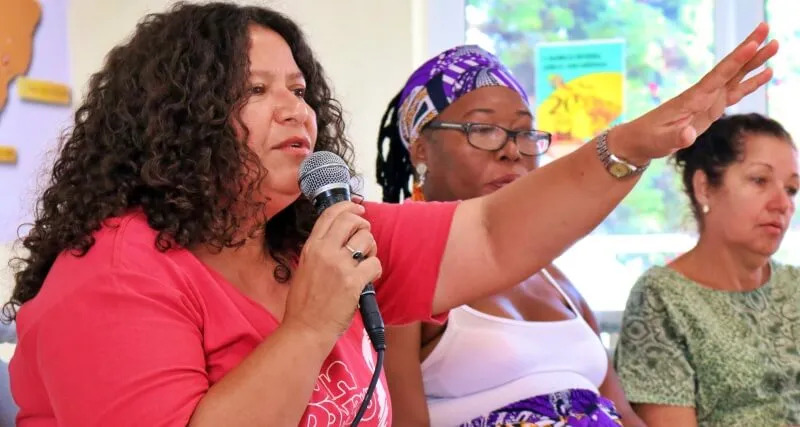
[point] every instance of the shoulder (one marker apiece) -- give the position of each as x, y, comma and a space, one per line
380, 213
106, 295
660, 280
559, 276
394, 223
119, 242
566, 285
658, 276
124, 260
784, 282
129, 244
785, 272
655, 290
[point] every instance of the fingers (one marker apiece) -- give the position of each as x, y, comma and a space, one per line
749, 86
368, 271
728, 68
758, 35
735, 62
362, 241
329, 216
343, 227
686, 136
762, 56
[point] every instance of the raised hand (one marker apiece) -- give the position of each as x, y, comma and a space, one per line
676, 123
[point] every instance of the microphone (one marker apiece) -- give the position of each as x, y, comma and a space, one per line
325, 180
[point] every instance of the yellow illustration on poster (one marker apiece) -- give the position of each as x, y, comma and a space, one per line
579, 90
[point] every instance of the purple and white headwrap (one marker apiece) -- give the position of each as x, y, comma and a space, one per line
445, 78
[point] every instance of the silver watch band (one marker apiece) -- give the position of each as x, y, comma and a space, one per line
610, 161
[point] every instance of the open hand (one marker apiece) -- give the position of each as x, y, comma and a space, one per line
676, 123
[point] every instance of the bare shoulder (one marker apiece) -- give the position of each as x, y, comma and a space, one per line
566, 285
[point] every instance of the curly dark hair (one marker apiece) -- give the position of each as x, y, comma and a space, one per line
155, 132
720, 146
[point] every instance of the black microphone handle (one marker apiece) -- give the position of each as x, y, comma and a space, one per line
371, 316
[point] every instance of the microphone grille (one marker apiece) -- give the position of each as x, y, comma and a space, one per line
320, 169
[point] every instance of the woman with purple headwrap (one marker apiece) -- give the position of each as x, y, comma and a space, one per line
463, 128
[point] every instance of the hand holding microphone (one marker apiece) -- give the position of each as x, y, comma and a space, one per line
325, 180
338, 264
329, 281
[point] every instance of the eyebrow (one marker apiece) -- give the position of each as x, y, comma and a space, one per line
297, 75
761, 164
769, 166
491, 111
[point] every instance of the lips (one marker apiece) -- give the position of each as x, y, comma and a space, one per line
295, 145
504, 180
775, 226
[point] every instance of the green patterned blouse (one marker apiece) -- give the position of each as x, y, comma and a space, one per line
733, 356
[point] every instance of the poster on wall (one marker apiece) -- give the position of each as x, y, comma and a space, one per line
34, 101
579, 90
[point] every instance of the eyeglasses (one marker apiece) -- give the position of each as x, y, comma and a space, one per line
493, 138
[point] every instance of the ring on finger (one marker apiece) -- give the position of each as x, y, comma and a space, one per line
357, 254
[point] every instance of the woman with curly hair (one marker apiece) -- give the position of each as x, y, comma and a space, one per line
176, 277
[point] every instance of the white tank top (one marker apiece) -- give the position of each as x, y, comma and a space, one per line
485, 362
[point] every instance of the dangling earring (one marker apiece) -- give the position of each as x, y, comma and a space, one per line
705, 209
422, 173
416, 190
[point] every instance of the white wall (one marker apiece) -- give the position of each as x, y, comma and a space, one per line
368, 49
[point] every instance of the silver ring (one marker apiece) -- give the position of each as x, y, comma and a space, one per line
357, 255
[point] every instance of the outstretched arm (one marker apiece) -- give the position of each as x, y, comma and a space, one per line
498, 240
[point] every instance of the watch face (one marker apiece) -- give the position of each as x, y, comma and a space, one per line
619, 170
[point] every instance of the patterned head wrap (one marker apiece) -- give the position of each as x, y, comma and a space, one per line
445, 78
432, 88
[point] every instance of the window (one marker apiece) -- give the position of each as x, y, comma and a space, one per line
668, 46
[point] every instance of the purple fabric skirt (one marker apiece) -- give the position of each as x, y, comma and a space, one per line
564, 408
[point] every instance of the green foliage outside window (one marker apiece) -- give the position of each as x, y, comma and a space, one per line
669, 45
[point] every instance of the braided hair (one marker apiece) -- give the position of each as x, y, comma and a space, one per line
394, 169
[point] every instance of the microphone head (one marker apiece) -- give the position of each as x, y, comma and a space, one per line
322, 170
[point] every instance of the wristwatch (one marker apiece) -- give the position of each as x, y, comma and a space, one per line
618, 167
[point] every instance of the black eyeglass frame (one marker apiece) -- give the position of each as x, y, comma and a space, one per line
466, 129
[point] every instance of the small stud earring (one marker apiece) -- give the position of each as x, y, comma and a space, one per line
705, 209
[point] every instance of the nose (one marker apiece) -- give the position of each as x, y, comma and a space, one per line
781, 201
290, 109
509, 151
